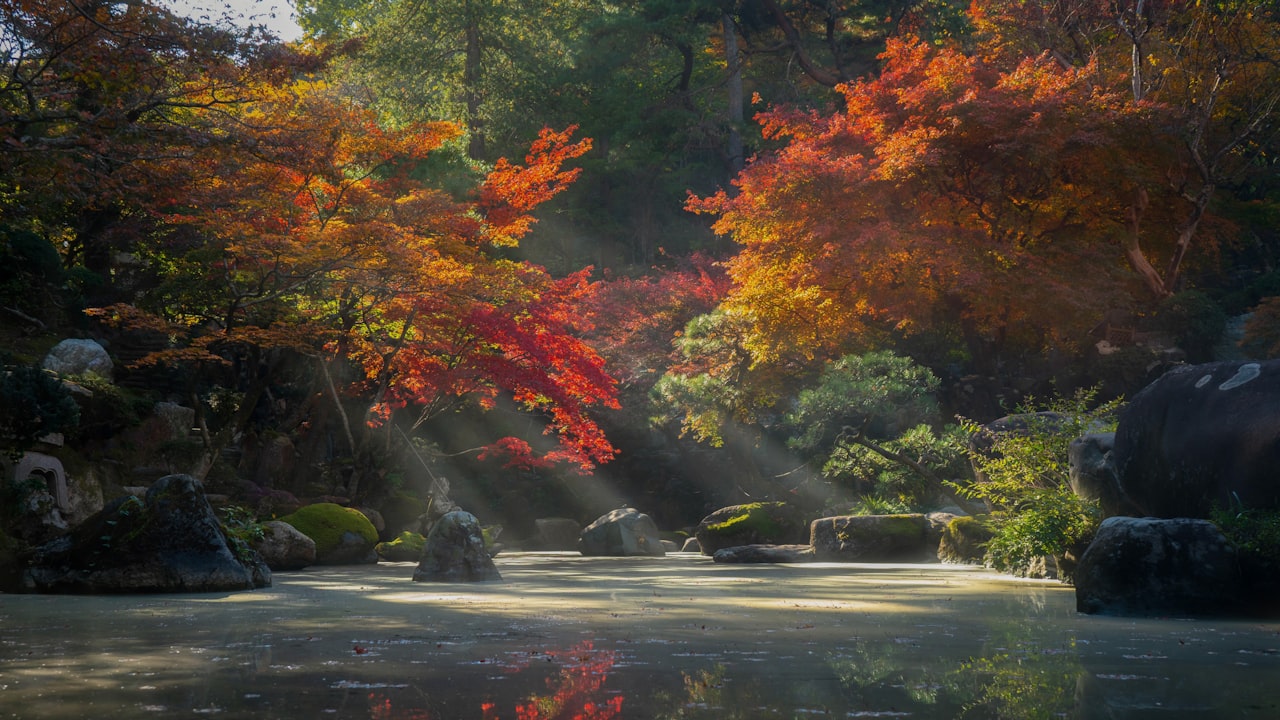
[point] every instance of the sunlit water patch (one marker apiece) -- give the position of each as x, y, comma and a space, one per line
676, 637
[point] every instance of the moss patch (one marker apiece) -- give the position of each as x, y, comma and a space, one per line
406, 547
757, 517
326, 522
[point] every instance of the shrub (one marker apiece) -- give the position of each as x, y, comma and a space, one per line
33, 404
1034, 511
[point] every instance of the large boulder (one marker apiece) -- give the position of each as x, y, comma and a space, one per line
872, 538
964, 541
1159, 567
1092, 473
455, 552
170, 541
622, 532
343, 535
284, 547
1200, 436
762, 523
76, 357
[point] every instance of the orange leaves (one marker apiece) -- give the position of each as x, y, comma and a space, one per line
511, 191
947, 195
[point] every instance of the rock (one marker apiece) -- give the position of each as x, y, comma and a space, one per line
1200, 436
964, 541
1092, 473
284, 547
871, 538
343, 536
177, 420
1158, 567
763, 523
406, 547
455, 552
375, 519
691, 545
622, 532
765, 554
557, 534
171, 541
936, 526
76, 357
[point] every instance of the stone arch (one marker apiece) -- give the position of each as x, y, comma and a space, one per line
49, 469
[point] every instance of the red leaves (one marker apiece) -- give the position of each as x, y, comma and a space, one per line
511, 191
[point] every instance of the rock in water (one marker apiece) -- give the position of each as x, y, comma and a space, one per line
762, 523
765, 554
343, 535
1152, 567
872, 538
455, 552
284, 547
171, 541
624, 532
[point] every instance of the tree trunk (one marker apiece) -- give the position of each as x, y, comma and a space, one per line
472, 74
735, 111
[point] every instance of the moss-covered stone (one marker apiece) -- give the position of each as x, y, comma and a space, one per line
342, 535
871, 538
406, 547
964, 541
761, 523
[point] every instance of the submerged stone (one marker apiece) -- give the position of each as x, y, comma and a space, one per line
455, 552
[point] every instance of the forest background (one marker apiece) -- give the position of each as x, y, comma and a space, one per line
575, 254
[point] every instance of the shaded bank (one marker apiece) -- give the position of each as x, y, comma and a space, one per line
675, 637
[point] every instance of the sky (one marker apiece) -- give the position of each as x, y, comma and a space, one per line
277, 15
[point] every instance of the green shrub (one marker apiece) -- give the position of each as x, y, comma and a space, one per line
110, 410
1034, 511
1254, 532
34, 403
1195, 321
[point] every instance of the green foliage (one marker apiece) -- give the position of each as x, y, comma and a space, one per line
1254, 532
110, 410
27, 262
885, 480
243, 530
877, 504
879, 394
34, 403
1024, 478
868, 419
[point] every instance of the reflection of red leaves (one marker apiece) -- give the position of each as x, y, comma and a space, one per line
581, 679
360, 649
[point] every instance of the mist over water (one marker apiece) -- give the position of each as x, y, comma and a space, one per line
566, 636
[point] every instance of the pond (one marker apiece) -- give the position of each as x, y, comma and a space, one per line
566, 636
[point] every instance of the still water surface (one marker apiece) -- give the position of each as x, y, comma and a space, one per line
595, 638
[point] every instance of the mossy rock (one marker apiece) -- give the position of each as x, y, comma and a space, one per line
964, 541
406, 547
343, 535
761, 523
872, 538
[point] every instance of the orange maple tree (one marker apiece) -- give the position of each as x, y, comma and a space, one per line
314, 235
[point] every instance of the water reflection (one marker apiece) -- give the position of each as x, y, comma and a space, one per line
599, 639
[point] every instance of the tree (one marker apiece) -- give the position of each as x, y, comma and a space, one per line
947, 194
313, 237
92, 92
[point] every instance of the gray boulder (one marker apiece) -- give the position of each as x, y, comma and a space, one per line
455, 552
170, 541
1200, 436
1092, 473
765, 554
872, 538
1159, 567
284, 547
76, 357
763, 523
623, 532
